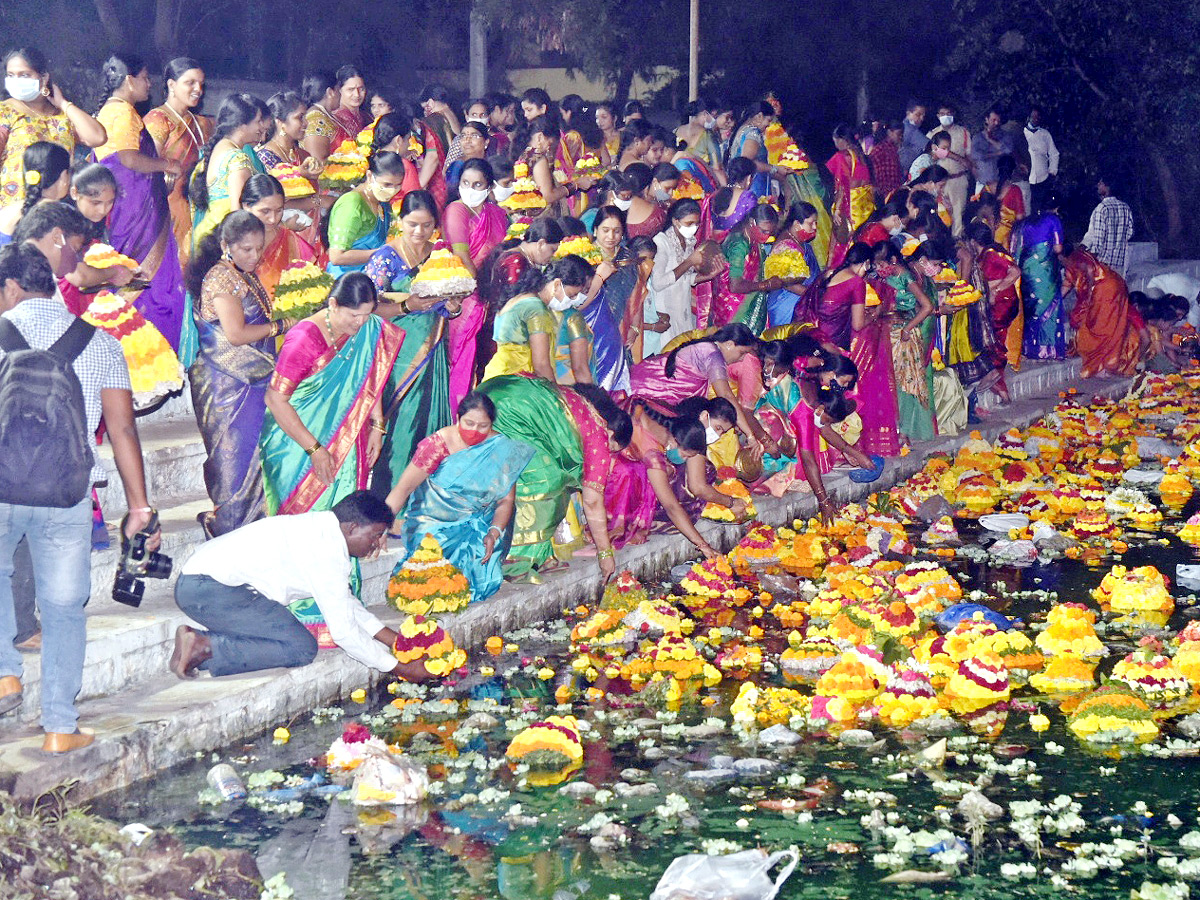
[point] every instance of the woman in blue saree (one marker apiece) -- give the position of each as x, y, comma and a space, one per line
1041, 242
140, 224
232, 369
461, 488
360, 219
416, 402
324, 424
748, 142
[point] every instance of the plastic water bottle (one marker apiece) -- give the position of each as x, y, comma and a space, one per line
226, 782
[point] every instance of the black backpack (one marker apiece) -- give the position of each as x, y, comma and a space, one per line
43, 421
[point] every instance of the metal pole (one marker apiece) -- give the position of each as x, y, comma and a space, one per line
478, 64
694, 52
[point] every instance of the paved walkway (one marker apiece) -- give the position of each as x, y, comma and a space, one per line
146, 720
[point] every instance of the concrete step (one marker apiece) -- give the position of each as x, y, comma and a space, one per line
128, 645
173, 455
1035, 379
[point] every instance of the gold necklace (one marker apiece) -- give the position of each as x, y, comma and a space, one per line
197, 136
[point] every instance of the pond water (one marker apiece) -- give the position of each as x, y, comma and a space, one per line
1106, 823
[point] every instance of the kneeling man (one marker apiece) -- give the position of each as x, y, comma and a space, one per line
238, 587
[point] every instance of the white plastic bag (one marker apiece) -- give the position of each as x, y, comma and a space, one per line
383, 779
734, 876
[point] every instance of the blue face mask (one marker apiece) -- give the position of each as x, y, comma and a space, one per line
675, 456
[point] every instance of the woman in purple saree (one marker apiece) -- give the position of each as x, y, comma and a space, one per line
140, 224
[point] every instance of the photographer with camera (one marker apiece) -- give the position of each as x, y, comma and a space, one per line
239, 585
58, 377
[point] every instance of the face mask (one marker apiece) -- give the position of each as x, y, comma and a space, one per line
710, 124
471, 437
674, 456
22, 87
381, 193
622, 205
758, 235
472, 196
1031, 126
560, 302
804, 235
661, 196
481, 121
941, 152
687, 232
899, 229
946, 121
68, 259
502, 193
711, 435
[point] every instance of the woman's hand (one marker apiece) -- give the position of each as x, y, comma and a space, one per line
311, 166
827, 511
323, 465
605, 270
608, 567
489, 545
585, 182
171, 168
663, 323
737, 506
906, 333
771, 446
697, 259
119, 276
374, 444
708, 551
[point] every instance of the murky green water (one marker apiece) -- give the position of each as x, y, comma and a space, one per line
546, 849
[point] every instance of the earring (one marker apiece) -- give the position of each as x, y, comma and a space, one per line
227, 254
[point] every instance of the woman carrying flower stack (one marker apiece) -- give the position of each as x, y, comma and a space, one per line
233, 368
179, 134
360, 218
575, 432
853, 194
263, 196
793, 260
624, 282
323, 132
461, 487
740, 289
324, 427
140, 222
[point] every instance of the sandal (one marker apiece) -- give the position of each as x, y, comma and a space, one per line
206, 520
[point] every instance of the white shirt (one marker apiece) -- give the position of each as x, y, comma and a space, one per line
1043, 155
1181, 285
670, 294
289, 558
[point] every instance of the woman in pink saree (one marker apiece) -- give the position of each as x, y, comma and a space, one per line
475, 226
853, 194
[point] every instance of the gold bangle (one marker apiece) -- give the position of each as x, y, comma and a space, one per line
314, 448
379, 425
604, 554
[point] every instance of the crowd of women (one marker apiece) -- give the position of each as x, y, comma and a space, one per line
737, 312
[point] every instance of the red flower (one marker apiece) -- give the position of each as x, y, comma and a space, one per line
356, 734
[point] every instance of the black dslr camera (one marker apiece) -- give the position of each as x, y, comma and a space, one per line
137, 563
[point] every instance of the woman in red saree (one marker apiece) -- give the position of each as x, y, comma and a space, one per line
474, 227
352, 91
871, 352
263, 196
1003, 276
853, 193
1109, 333
324, 424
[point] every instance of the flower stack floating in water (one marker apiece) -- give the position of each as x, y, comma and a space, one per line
552, 749
580, 245
442, 275
1140, 595
295, 183
1070, 631
427, 583
345, 167
525, 198
908, 696
419, 638
1153, 676
154, 369
1113, 715
757, 549
349, 751
302, 290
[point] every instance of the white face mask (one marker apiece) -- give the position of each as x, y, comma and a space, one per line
560, 302
500, 192
22, 87
622, 205
946, 121
687, 232
481, 121
711, 435
661, 196
895, 231
472, 196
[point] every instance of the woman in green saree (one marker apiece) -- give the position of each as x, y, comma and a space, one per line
324, 424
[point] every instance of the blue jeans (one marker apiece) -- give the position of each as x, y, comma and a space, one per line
247, 630
60, 544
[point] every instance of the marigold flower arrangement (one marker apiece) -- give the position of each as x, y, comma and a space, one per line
550, 745
1175, 489
102, 256
427, 583
688, 188
354, 745
807, 658
1153, 676
589, 165
1070, 631
419, 638
1113, 715
761, 707
154, 369
758, 548
908, 696
786, 263
442, 275
302, 290
1143, 589
979, 682
580, 245
1065, 675
851, 679
344, 168
730, 487
526, 198
1016, 651
293, 180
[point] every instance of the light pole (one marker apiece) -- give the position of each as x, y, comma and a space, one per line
694, 52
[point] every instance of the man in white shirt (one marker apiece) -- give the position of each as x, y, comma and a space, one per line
957, 163
1043, 155
240, 584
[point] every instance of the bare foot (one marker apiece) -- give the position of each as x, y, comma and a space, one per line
191, 649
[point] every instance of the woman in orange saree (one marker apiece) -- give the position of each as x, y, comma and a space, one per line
264, 197
1109, 333
179, 134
